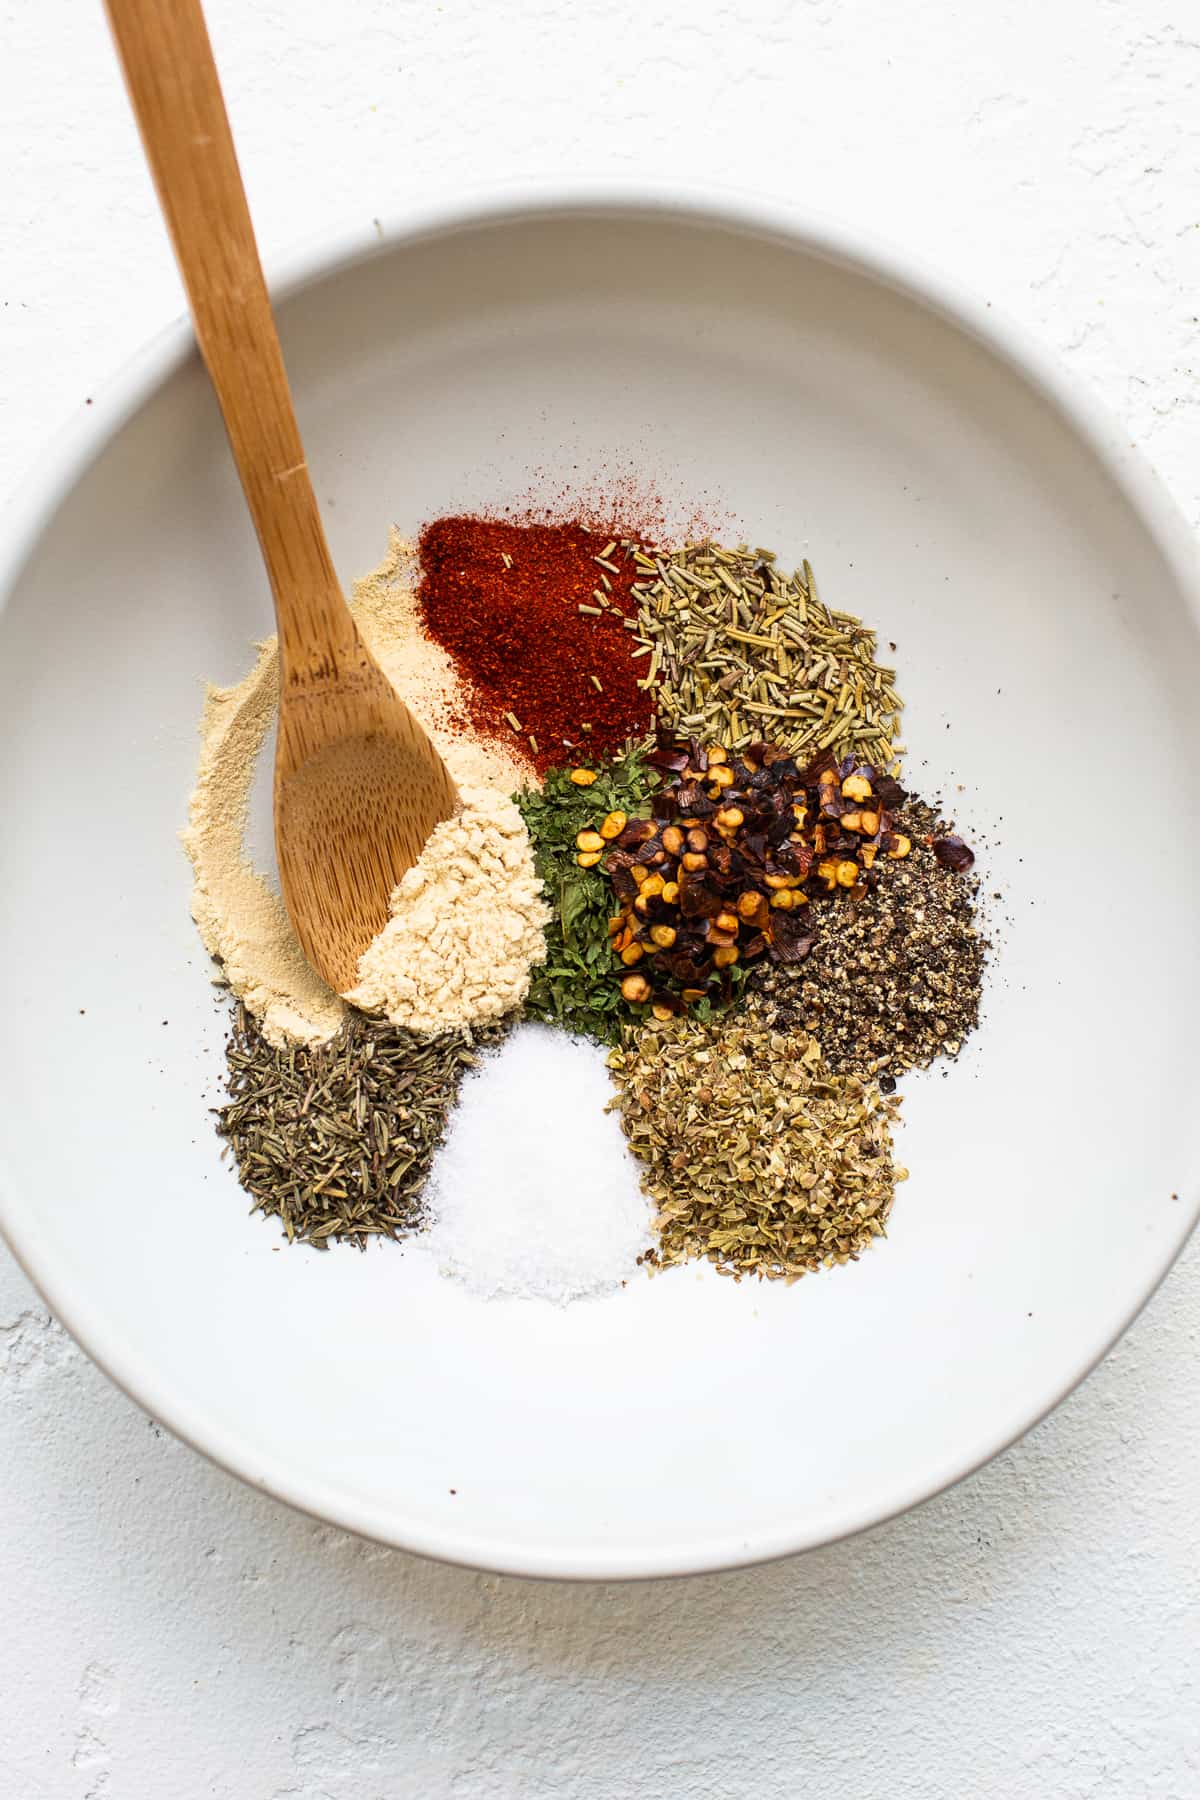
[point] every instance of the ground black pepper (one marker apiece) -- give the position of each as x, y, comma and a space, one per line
896, 981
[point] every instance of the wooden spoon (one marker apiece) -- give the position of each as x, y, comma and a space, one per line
358, 785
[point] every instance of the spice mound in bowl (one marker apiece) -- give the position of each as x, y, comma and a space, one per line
534, 617
747, 940
726, 869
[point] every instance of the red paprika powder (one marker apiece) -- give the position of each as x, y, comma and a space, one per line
505, 601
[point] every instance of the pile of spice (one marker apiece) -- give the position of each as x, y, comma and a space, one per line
740, 650
725, 870
684, 846
575, 985
896, 980
336, 1142
466, 925
757, 1157
538, 620
235, 902
534, 1201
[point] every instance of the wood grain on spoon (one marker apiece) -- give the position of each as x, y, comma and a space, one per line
358, 785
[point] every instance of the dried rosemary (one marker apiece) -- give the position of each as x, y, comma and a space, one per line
336, 1141
740, 650
756, 1156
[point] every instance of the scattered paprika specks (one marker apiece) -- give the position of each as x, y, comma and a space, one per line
505, 601
621, 503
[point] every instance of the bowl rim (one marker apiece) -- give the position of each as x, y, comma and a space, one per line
30, 511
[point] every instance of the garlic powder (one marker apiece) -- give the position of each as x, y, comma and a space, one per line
237, 907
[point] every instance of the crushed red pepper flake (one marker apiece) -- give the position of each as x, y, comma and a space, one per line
726, 869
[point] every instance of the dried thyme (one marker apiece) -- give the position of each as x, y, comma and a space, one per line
897, 981
740, 650
756, 1156
336, 1141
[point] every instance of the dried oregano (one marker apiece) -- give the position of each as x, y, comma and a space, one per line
756, 1156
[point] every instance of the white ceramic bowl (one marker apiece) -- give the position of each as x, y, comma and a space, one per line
823, 397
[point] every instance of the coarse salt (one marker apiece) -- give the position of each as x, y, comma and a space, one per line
534, 1194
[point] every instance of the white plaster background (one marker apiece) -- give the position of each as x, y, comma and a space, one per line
164, 1633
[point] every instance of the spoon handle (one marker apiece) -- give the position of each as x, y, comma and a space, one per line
172, 80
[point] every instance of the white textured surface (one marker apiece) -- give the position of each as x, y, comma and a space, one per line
165, 1632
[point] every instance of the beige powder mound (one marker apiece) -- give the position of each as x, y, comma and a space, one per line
467, 923
241, 919
239, 914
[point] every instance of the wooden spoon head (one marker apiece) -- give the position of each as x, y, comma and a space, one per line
358, 789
